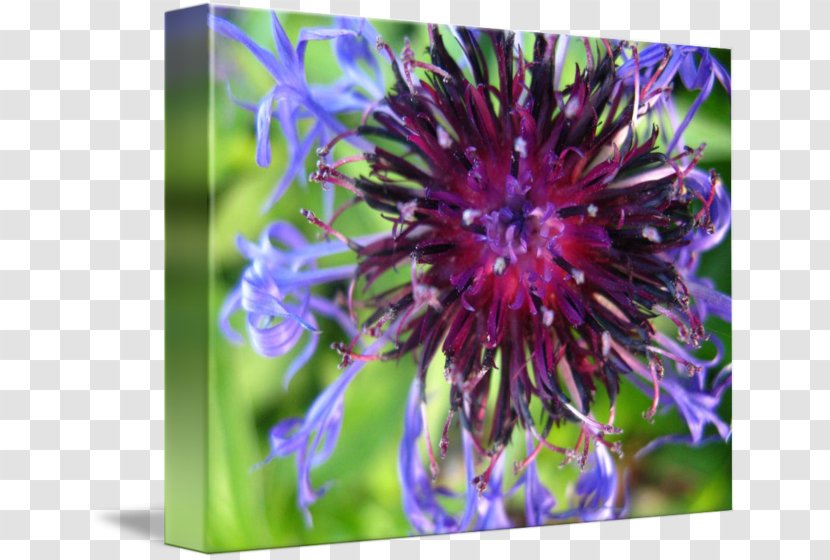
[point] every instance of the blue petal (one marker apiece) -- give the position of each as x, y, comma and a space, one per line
273, 340
697, 404
275, 292
722, 75
317, 34
296, 166
230, 306
263, 129
712, 300
282, 42
539, 501
492, 513
420, 498
328, 309
672, 439
470, 491
701, 97
720, 212
265, 57
297, 100
314, 437
352, 50
597, 488
302, 359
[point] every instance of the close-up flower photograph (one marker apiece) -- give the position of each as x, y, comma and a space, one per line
464, 279
437, 279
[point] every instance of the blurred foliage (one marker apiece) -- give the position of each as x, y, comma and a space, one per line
252, 509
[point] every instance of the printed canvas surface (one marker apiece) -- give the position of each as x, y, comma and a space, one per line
429, 279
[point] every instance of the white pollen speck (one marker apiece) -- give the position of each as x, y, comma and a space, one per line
547, 316
606, 343
499, 266
469, 216
520, 145
578, 276
651, 233
592, 210
407, 209
444, 139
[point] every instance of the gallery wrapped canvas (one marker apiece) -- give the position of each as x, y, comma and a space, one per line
426, 279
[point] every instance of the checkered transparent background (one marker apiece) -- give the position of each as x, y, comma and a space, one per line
81, 279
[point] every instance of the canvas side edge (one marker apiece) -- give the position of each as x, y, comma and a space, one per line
187, 215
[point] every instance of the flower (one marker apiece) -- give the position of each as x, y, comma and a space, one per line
596, 489
312, 439
533, 233
657, 66
544, 233
299, 101
275, 293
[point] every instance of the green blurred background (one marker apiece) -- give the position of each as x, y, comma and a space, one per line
246, 395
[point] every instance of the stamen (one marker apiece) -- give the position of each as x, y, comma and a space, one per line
519, 466
346, 160
592, 422
445, 438
327, 174
444, 139
370, 109
520, 146
691, 368
698, 154
583, 441
651, 233
326, 149
407, 209
499, 266
586, 448
433, 464
568, 453
714, 179
342, 208
383, 46
657, 72
648, 415
483, 479
469, 216
348, 355
606, 343
432, 68
313, 219
547, 316
614, 447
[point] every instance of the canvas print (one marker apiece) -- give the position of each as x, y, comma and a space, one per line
428, 279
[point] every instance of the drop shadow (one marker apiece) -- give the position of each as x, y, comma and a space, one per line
137, 524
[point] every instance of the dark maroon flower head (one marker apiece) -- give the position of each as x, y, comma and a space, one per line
537, 223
